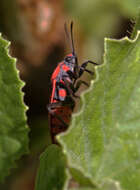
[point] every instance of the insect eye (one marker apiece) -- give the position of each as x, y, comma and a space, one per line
68, 59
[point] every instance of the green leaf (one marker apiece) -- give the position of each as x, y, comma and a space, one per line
103, 141
52, 171
108, 185
83, 188
13, 128
136, 27
81, 179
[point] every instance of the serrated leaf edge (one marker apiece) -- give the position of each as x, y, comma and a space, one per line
74, 115
25, 107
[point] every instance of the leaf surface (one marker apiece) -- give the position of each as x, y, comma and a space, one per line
52, 171
13, 127
104, 138
108, 185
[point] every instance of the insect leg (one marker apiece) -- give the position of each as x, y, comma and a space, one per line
83, 67
73, 89
72, 75
70, 88
78, 84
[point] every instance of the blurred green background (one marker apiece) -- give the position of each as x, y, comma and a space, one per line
36, 31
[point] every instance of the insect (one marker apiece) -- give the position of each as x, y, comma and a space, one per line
65, 84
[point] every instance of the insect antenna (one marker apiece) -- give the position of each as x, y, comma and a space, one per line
70, 38
72, 42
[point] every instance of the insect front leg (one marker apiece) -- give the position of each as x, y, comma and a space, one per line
83, 67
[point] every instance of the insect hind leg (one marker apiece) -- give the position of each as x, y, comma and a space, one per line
79, 83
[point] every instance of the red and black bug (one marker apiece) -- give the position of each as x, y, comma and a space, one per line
65, 84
